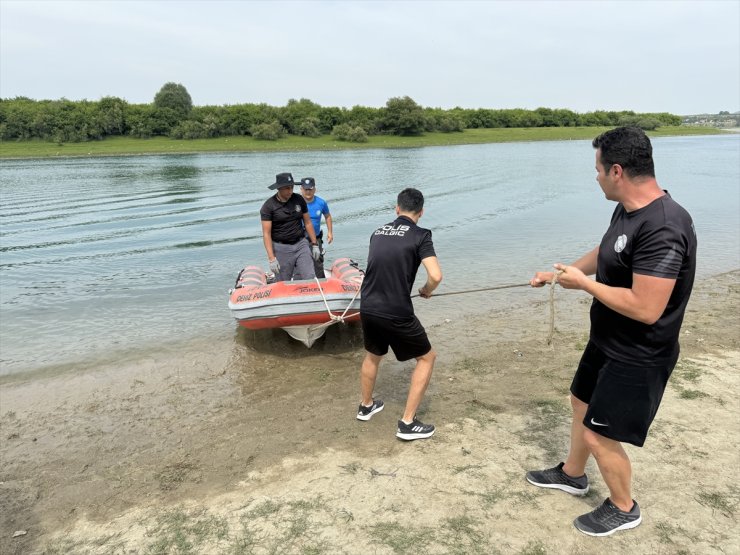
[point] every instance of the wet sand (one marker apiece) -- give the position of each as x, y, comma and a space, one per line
250, 445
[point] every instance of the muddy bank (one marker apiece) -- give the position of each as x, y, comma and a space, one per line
251, 445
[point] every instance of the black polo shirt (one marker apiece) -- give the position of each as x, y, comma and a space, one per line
396, 250
286, 218
657, 240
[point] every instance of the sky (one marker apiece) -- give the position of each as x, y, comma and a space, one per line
681, 57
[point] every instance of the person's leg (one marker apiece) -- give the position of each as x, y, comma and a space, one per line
304, 268
419, 382
615, 467
575, 464
318, 265
368, 374
285, 258
570, 476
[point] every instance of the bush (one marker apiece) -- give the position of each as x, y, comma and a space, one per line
345, 132
402, 116
189, 130
648, 124
268, 131
341, 131
175, 97
357, 135
308, 127
450, 124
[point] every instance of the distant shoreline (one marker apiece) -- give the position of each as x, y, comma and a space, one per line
129, 146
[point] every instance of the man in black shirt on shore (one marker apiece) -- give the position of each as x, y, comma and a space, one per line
644, 268
284, 216
396, 251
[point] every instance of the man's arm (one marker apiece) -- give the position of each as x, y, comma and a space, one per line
586, 264
644, 302
329, 228
434, 276
267, 239
308, 224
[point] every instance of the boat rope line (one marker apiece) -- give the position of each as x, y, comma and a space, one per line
552, 282
333, 318
510, 286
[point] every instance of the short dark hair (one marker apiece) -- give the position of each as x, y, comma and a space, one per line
410, 200
629, 147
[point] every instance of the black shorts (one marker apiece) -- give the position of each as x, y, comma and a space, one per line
622, 398
406, 336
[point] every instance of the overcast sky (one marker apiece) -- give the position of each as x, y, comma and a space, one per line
648, 56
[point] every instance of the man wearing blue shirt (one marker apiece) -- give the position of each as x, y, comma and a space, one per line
316, 207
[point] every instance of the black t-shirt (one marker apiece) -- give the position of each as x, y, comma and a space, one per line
657, 240
396, 250
286, 218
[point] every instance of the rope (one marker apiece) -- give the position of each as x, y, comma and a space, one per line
551, 331
477, 290
552, 282
333, 318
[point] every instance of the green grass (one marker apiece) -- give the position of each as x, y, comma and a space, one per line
687, 370
465, 468
171, 476
473, 366
692, 394
121, 146
547, 418
461, 535
351, 468
402, 539
724, 503
669, 534
178, 531
534, 548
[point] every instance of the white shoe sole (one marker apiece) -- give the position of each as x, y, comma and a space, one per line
561, 487
413, 436
366, 417
625, 526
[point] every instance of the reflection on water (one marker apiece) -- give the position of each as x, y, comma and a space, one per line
176, 173
101, 256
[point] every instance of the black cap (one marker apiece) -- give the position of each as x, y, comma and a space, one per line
282, 180
308, 183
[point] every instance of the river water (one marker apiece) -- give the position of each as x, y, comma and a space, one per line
108, 257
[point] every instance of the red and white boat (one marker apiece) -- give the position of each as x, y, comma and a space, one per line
303, 308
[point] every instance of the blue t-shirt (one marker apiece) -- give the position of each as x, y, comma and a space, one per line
316, 208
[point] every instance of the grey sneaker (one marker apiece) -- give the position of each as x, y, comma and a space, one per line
415, 430
607, 519
557, 479
366, 413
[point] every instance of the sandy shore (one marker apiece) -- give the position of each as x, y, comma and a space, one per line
245, 448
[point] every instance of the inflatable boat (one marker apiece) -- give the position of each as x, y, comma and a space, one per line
303, 308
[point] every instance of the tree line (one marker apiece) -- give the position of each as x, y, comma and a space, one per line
172, 114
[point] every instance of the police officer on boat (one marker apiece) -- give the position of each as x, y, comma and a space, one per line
284, 217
